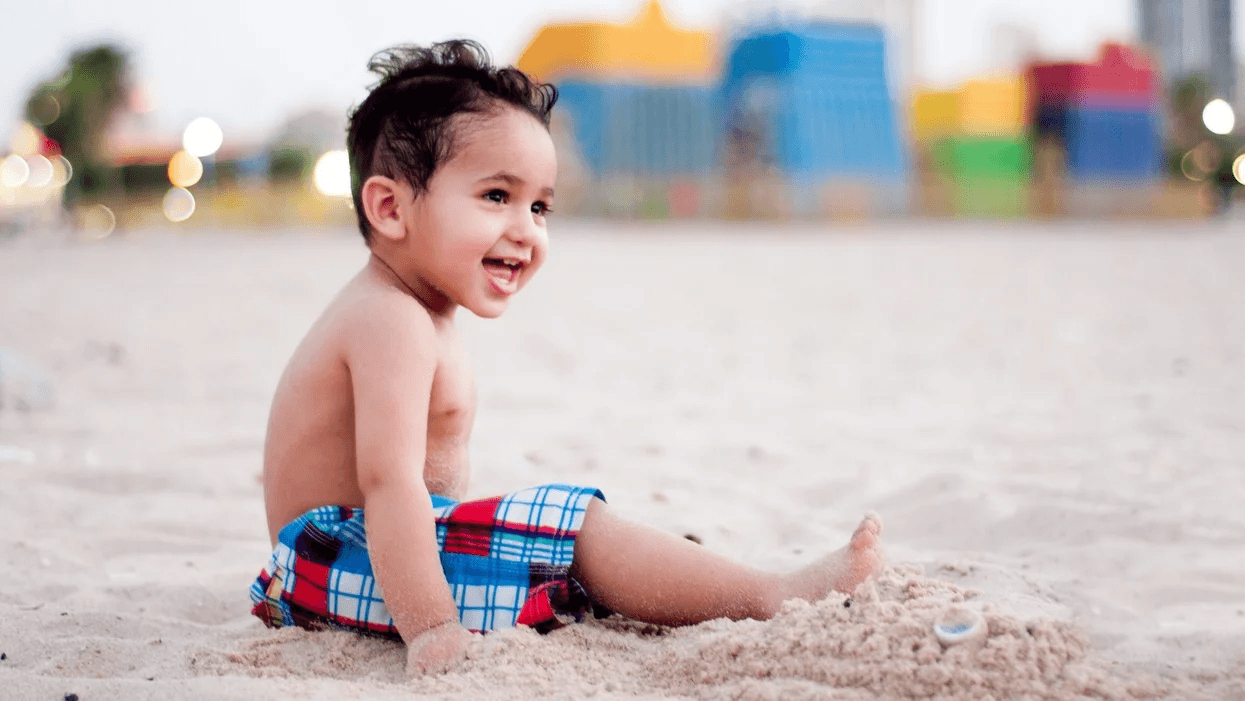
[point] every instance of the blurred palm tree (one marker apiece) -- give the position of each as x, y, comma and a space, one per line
1190, 136
75, 109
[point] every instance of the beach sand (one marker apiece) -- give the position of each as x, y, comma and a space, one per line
1049, 418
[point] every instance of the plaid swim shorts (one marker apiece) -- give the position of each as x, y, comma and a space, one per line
506, 559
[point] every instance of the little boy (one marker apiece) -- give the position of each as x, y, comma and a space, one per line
452, 171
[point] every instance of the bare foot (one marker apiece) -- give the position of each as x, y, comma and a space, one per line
844, 569
861, 558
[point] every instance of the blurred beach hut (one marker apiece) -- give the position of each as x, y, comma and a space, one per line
808, 110
636, 109
1101, 123
1104, 114
974, 148
649, 49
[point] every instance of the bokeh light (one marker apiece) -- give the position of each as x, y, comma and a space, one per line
202, 137
45, 109
178, 204
62, 171
332, 174
1190, 167
1200, 161
185, 169
1219, 117
1206, 155
41, 171
26, 139
14, 171
96, 222
1238, 169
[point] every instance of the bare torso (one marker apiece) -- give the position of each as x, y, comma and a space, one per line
309, 453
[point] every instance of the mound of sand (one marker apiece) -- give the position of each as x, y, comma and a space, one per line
879, 644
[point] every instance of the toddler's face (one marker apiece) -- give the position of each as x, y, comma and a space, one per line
478, 232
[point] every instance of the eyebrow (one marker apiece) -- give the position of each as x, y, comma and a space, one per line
515, 181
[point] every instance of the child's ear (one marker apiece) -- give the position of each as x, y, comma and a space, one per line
382, 200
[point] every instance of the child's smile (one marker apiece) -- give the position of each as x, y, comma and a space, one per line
504, 274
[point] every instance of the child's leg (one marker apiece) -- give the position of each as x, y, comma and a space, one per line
657, 577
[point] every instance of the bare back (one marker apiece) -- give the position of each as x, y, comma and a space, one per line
309, 452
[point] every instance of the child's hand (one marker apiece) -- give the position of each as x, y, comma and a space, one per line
438, 649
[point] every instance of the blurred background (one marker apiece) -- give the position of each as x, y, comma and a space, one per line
131, 114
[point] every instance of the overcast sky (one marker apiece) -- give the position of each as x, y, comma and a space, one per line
250, 63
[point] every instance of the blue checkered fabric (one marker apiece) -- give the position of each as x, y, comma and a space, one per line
495, 554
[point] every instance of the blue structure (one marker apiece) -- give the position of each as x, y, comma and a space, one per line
660, 132
1104, 143
813, 102
809, 103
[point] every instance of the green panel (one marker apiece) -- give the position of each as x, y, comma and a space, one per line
979, 155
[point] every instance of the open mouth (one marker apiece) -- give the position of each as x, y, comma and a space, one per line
504, 273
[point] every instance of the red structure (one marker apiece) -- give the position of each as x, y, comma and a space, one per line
1122, 78
1104, 114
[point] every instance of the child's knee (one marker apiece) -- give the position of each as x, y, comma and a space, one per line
595, 513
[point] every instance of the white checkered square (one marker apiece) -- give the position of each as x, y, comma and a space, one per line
504, 618
474, 596
284, 557
508, 597
515, 510
472, 619
346, 594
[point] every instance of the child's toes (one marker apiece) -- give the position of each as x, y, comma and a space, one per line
868, 530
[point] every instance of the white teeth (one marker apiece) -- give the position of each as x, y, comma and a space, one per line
514, 264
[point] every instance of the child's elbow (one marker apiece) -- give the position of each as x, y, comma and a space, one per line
380, 482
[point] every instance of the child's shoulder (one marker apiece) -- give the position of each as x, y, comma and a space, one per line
367, 313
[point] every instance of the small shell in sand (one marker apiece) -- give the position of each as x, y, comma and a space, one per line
959, 625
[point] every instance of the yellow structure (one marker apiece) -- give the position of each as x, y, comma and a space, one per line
934, 114
994, 107
986, 107
647, 49
973, 148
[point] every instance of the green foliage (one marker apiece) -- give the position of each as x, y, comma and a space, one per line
1190, 95
288, 165
74, 110
143, 177
1188, 98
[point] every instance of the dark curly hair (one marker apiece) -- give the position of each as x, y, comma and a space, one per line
404, 129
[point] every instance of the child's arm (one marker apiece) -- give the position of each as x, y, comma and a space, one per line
391, 357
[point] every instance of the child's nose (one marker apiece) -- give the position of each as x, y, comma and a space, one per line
524, 230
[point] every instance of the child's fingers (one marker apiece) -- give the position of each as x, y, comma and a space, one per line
438, 650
